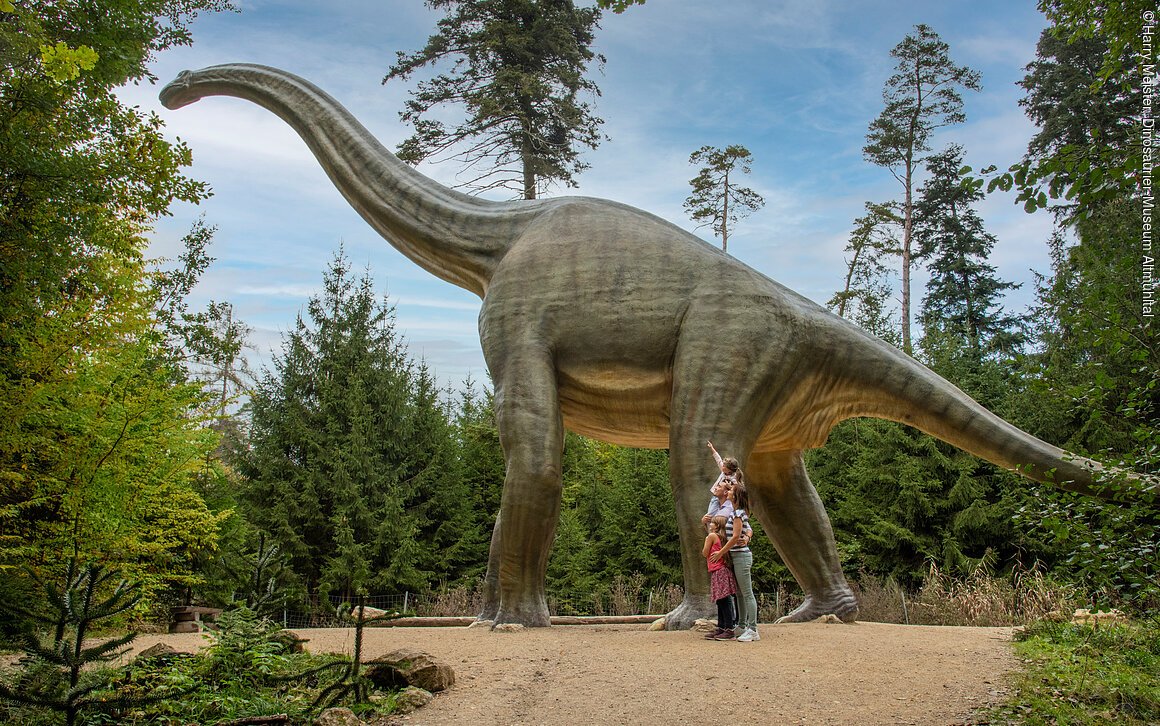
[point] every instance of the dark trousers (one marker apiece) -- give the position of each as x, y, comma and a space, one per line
726, 613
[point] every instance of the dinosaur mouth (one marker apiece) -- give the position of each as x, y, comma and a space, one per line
176, 92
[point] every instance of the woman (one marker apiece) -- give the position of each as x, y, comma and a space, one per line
737, 531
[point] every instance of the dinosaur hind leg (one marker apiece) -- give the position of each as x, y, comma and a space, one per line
791, 512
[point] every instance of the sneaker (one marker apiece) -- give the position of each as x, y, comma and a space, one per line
756, 635
713, 635
724, 635
747, 637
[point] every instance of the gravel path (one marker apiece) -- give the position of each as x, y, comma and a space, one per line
863, 674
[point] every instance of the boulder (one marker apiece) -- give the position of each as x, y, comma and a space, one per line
161, 651
407, 667
338, 717
411, 699
701, 625
1083, 616
368, 612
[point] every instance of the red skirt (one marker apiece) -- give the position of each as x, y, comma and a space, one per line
722, 583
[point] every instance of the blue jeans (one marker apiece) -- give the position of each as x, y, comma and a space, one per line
746, 602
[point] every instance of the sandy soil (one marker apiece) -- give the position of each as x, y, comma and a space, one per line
864, 674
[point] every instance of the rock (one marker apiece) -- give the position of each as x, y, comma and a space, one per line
1083, 616
161, 651
291, 641
658, 624
828, 618
407, 667
368, 612
338, 717
702, 625
411, 699
508, 628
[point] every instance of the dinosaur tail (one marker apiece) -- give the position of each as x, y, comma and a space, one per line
456, 237
901, 389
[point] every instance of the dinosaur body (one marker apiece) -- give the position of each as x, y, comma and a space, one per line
618, 325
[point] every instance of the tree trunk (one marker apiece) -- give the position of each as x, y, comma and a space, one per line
725, 216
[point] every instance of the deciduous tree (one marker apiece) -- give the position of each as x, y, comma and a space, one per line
100, 433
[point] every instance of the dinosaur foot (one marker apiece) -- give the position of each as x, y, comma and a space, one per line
843, 605
691, 609
528, 617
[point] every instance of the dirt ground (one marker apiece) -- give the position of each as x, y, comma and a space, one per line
864, 673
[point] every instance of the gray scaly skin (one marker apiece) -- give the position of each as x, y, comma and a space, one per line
623, 327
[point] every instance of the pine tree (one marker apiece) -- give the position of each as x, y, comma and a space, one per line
922, 96
519, 74
865, 295
717, 201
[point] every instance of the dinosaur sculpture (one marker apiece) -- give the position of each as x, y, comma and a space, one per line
623, 327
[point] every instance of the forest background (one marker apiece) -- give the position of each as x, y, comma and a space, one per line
132, 434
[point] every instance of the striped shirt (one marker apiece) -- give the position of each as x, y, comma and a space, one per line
745, 529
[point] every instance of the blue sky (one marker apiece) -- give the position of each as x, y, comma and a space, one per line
795, 81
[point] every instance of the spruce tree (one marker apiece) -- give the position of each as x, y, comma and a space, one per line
351, 460
962, 315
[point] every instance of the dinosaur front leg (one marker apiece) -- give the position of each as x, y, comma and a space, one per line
788, 507
691, 471
531, 432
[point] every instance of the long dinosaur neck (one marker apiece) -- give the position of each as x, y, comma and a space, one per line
453, 236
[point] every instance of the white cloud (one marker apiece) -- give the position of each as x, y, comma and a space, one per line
796, 81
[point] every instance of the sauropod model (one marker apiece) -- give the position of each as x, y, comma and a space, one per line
612, 322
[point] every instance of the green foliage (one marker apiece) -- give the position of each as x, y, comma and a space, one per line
962, 300
1077, 674
100, 434
899, 499
617, 523
352, 464
716, 201
518, 73
244, 647
1084, 90
618, 6
58, 672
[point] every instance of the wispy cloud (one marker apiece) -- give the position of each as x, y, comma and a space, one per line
796, 81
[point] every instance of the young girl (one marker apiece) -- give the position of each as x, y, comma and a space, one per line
722, 584
737, 532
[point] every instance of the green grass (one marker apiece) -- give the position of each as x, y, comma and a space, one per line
1076, 675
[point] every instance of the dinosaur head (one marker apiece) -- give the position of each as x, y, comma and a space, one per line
179, 92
